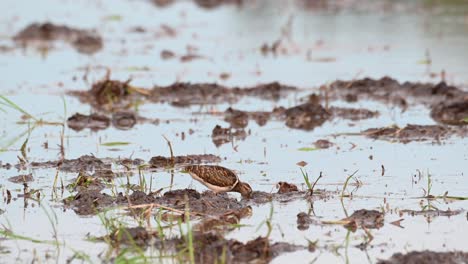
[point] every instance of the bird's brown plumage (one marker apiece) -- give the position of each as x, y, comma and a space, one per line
214, 175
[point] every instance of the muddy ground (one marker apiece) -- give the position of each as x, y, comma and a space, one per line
352, 136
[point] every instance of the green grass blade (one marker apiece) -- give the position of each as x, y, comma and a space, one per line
116, 143
11, 104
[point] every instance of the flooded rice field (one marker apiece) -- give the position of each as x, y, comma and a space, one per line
340, 130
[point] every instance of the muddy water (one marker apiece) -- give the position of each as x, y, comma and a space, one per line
319, 45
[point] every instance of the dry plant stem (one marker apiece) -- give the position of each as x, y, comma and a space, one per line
170, 149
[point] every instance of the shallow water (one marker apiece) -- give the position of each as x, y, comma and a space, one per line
387, 39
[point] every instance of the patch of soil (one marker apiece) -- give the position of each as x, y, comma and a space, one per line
284, 187
83, 41
94, 122
21, 178
391, 91
88, 202
454, 113
427, 257
412, 133
372, 219
185, 94
164, 162
220, 135
83, 163
352, 113
306, 116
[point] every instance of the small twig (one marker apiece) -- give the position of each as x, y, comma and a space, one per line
170, 148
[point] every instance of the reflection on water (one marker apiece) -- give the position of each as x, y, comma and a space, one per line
317, 42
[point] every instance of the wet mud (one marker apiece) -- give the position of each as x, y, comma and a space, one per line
416, 257
112, 94
84, 41
411, 132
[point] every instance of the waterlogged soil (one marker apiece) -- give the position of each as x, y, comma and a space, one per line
353, 154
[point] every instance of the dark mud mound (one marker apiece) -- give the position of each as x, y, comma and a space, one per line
82, 40
413, 133
83, 163
391, 91
165, 162
124, 120
455, 113
353, 114
306, 116
88, 202
427, 257
221, 136
186, 94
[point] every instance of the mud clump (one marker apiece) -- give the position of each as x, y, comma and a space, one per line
284, 187
390, 90
164, 162
83, 163
21, 178
427, 257
186, 94
451, 113
411, 133
363, 218
353, 114
87, 202
94, 122
306, 116
82, 40
220, 135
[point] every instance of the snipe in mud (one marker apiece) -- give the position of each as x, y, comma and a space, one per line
219, 179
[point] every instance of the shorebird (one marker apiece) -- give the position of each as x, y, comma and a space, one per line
218, 179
